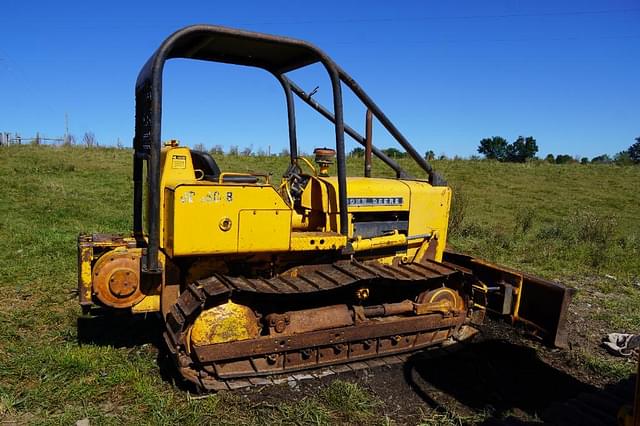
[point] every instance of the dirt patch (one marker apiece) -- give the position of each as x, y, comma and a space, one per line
503, 374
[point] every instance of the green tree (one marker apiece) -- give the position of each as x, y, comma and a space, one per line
601, 159
394, 153
429, 155
634, 151
494, 148
550, 158
564, 159
522, 149
357, 152
584, 160
623, 158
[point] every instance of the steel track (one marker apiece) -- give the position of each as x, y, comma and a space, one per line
245, 363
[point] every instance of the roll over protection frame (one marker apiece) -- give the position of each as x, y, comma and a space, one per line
277, 55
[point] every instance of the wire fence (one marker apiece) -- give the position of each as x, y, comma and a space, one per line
7, 138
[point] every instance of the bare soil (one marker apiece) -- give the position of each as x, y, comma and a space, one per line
502, 376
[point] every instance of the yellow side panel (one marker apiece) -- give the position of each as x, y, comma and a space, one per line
176, 167
204, 218
315, 196
166, 224
197, 224
430, 212
264, 230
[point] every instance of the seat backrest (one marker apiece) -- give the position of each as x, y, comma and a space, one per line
205, 162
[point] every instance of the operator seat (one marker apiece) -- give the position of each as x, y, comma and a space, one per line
205, 162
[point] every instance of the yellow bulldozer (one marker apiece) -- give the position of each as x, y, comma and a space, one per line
253, 277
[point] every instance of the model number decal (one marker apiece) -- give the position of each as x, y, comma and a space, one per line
374, 201
211, 197
187, 197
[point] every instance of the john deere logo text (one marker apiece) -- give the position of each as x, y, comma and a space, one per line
374, 201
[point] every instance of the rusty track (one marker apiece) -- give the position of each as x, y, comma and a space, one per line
317, 373
242, 363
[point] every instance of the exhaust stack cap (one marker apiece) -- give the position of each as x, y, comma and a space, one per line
324, 158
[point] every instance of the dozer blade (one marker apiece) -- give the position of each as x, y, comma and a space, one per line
539, 304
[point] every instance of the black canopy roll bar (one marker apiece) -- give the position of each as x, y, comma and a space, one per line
277, 55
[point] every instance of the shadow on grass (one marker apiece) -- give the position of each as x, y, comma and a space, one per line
120, 331
494, 377
169, 372
128, 331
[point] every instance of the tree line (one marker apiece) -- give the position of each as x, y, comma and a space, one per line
521, 150
525, 149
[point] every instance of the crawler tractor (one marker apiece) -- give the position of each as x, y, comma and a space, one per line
257, 278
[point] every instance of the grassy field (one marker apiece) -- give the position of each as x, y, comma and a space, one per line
574, 223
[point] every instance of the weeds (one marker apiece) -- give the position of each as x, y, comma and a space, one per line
592, 228
586, 235
8, 403
606, 367
349, 400
458, 209
524, 219
588, 227
307, 411
447, 418
582, 242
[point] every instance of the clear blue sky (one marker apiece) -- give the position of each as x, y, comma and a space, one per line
447, 73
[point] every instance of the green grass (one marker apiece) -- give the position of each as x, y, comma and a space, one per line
351, 401
435, 418
572, 222
604, 367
